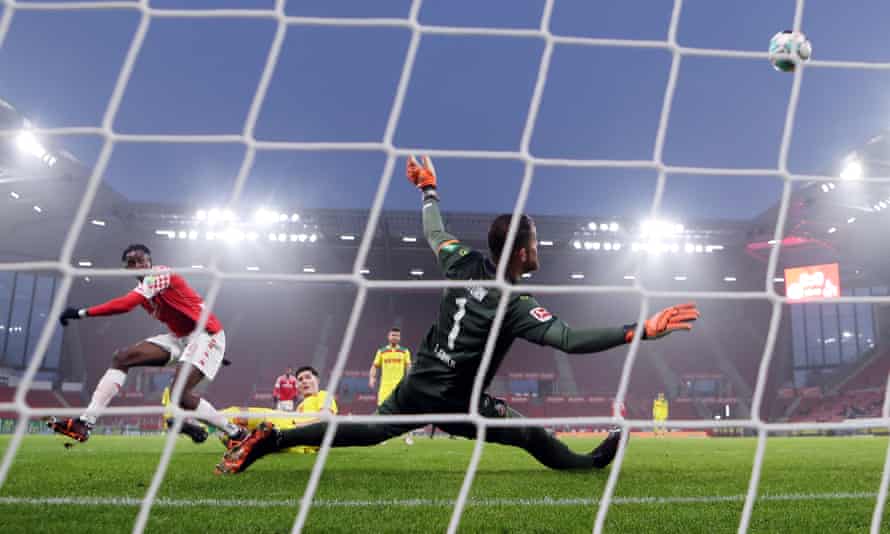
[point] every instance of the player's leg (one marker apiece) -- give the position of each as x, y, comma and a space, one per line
142, 354
266, 440
201, 360
190, 427
537, 441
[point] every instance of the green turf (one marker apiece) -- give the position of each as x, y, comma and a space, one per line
433, 471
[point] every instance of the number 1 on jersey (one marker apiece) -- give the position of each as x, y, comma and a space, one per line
458, 315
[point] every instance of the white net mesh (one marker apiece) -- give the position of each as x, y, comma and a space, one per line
147, 14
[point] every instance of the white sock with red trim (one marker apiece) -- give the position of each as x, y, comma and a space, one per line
108, 386
207, 413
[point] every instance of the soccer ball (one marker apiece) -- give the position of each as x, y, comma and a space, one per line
787, 45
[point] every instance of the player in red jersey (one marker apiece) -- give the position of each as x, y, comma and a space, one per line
285, 391
168, 298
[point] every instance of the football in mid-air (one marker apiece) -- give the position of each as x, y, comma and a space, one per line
787, 49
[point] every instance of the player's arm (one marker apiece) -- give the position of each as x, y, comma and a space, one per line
423, 176
112, 307
149, 286
276, 390
407, 360
534, 323
457, 261
372, 373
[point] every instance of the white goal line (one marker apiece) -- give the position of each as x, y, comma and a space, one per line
415, 503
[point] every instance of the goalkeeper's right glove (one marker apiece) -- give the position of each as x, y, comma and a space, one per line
677, 317
422, 176
70, 314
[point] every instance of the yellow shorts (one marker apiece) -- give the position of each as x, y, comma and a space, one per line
384, 392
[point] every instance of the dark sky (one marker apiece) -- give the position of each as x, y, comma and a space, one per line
197, 76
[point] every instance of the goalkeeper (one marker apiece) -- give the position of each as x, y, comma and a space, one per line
441, 379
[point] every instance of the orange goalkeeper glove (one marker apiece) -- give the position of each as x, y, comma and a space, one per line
423, 176
677, 317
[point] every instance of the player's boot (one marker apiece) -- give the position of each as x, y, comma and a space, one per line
196, 432
606, 451
259, 443
233, 441
409, 440
76, 429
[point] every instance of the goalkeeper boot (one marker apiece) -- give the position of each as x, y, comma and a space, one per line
606, 451
239, 457
76, 429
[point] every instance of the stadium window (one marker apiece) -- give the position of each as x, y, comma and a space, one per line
864, 321
6, 283
813, 321
43, 299
830, 334
798, 333
17, 329
847, 322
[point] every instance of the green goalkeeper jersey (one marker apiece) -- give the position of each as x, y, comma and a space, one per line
451, 352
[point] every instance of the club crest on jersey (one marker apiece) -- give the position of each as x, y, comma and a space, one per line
541, 314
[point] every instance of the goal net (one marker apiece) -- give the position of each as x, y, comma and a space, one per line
394, 153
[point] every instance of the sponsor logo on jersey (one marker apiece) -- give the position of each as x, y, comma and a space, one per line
541, 314
445, 358
478, 293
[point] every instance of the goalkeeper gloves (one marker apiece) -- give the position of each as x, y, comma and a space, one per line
677, 317
70, 314
423, 176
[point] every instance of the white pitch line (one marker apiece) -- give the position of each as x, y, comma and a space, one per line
413, 503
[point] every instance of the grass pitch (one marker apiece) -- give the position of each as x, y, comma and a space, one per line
669, 485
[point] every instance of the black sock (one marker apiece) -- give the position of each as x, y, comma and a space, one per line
348, 435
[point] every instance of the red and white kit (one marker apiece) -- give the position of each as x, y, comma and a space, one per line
167, 297
285, 391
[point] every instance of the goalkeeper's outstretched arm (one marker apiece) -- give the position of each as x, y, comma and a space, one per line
560, 335
423, 176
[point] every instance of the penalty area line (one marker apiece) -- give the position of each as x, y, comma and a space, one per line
411, 503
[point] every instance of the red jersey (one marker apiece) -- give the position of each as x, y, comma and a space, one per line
285, 387
168, 298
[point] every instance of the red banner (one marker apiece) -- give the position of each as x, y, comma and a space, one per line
814, 282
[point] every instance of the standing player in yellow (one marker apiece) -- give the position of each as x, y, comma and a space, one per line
393, 360
659, 415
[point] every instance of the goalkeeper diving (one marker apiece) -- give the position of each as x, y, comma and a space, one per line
441, 377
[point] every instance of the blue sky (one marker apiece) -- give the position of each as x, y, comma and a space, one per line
337, 84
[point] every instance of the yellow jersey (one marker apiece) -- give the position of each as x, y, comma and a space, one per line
392, 362
660, 409
314, 404
311, 404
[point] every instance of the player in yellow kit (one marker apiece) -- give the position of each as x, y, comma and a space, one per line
393, 360
659, 415
313, 402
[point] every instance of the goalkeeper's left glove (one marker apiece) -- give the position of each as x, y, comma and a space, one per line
677, 317
423, 176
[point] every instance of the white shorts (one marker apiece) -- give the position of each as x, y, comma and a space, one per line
285, 405
203, 350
